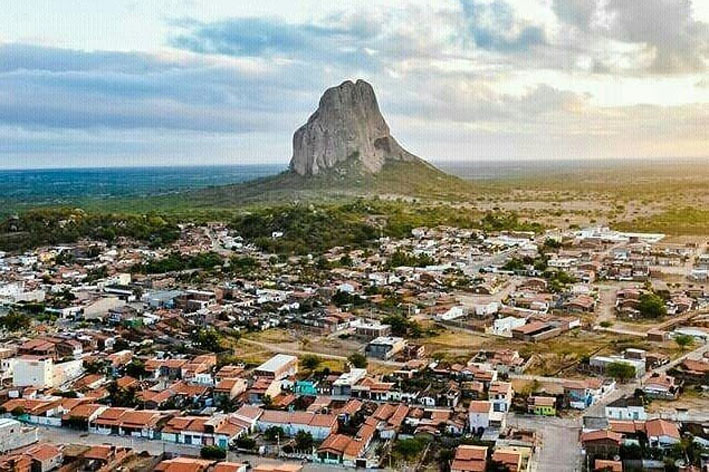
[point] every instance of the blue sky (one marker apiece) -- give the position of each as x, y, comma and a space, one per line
166, 82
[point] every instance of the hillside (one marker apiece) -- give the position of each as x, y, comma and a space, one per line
396, 178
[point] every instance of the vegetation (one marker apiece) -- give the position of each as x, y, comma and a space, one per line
304, 441
402, 326
212, 453
208, 338
652, 306
15, 321
400, 258
175, 262
274, 433
684, 341
63, 225
620, 371
408, 449
357, 360
310, 362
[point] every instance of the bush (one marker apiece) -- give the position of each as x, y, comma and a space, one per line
246, 442
358, 361
620, 371
652, 306
310, 362
212, 453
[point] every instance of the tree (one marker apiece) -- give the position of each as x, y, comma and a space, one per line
208, 339
651, 306
310, 362
304, 441
274, 433
620, 371
358, 361
402, 326
409, 448
684, 341
15, 321
246, 442
136, 368
212, 453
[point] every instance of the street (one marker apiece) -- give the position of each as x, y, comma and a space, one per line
154, 447
559, 450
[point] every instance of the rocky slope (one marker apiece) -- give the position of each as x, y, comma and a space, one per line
346, 126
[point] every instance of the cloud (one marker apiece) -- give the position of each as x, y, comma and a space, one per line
341, 39
654, 36
56, 88
494, 26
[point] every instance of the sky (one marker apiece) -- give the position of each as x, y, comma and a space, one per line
167, 82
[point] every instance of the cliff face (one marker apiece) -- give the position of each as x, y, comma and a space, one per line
347, 125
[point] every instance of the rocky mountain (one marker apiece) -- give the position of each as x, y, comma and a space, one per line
346, 126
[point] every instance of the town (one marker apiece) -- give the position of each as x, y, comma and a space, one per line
449, 348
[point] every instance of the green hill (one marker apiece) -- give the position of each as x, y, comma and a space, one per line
396, 179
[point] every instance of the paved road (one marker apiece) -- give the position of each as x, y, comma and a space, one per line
560, 450
67, 436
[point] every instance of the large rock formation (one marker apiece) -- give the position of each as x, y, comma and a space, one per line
347, 125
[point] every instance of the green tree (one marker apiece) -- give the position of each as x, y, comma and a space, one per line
684, 341
274, 433
357, 360
410, 448
208, 339
651, 306
212, 453
15, 321
620, 371
310, 362
136, 368
304, 441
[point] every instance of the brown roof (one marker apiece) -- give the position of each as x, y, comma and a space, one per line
479, 407
660, 427
601, 435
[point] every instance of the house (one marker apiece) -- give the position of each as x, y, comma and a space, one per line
469, 459
601, 443
278, 367
385, 347
184, 464
263, 387
500, 394
14, 435
544, 406
371, 329
346, 450
662, 433
601, 363
229, 388
479, 416
626, 408
43, 372
504, 326
130, 422
661, 386
45, 457
319, 425
535, 331
508, 458
342, 386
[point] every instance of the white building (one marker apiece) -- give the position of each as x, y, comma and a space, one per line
33, 371
626, 408
504, 326
479, 416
